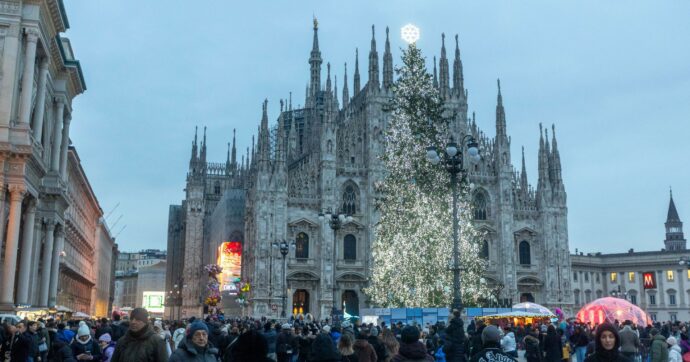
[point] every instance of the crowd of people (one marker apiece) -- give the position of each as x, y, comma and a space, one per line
304, 339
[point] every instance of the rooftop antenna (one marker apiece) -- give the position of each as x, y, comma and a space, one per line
118, 233
111, 211
116, 221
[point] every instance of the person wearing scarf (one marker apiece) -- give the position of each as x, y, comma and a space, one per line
195, 346
607, 342
84, 348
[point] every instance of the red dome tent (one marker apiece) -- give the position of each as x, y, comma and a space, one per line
612, 309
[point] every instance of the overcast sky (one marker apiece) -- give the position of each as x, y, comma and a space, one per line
613, 76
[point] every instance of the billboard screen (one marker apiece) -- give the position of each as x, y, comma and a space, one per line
230, 259
154, 302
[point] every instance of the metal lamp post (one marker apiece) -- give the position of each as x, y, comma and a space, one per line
335, 221
284, 248
452, 159
619, 293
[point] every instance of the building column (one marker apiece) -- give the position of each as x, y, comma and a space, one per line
681, 280
35, 276
63, 147
12, 240
28, 77
40, 101
27, 247
55, 265
45, 262
55, 152
661, 301
96, 269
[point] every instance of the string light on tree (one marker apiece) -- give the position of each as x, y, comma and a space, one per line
409, 33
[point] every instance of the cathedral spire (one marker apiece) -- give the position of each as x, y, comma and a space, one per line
675, 239
435, 74
373, 82
203, 148
387, 64
194, 143
458, 79
264, 136
315, 63
233, 160
346, 92
555, 161
523, 174
356, 86
543, 161
328, 77
335, 91
280, 137
443, 68
500, 114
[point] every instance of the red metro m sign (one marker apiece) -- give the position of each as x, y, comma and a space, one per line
649, 280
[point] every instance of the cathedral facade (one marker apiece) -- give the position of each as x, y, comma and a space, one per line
325, 158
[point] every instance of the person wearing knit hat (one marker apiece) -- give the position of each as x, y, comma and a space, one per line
84, 347
250, 346
491, 347
107, 345
674, 350
140, 343
195, 347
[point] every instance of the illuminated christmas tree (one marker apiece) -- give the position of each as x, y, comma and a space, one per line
412, 251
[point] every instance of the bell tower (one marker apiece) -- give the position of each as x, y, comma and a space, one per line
675, 239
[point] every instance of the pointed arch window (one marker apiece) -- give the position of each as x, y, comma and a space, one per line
484, 252
350, 200
525, 253
216, 188
302, 246
350, 247
479, 205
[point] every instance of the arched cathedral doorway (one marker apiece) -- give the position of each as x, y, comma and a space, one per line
300, 302
350, 302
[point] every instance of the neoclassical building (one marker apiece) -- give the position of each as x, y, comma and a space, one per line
658, 281
325, 156
44, 231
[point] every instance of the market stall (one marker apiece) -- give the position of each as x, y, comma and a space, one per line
611, 309
517, 318
532, 307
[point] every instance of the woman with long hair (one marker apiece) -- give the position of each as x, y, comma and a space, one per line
345, 348
390, 342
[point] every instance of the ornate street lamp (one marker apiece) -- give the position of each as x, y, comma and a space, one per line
284, 248
452, 159
335, 221
619, 293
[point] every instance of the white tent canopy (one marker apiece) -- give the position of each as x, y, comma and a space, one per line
529, 306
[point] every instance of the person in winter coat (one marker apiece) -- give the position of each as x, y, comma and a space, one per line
196, 346
630, 341
140, 343
65, 334
658, 352
249, 346
178, 335
61, 352
271, 337
104, 328
674, 352
322, 350
491, 343
375, 342
476, 344
35, 339
508, 343
15, 346
284, 343
454, 340
553, 347
607, 342
84, 348
364, 350
107, 347
533, 348
411, 349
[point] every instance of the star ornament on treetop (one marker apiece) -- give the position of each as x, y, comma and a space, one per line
409, 33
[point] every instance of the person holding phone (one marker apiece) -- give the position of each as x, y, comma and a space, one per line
84, 347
